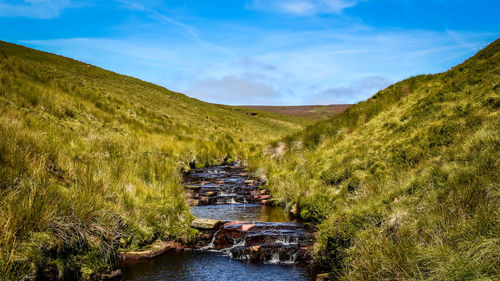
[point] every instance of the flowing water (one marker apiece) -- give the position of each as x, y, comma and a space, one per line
209, 266
244, 212
260, 244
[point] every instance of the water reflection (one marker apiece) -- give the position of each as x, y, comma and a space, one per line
245, 212
208, 266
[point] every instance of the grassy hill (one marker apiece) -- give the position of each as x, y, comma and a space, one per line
405, 185
88, 156
402, 186
315, 112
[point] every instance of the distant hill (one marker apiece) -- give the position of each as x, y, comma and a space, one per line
316, 112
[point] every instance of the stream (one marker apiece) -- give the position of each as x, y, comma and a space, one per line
254, 241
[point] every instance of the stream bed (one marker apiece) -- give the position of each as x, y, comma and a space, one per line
256, 241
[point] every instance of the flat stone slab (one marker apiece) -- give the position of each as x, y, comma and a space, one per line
206, 224
156, 249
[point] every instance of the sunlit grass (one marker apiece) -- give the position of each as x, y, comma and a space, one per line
405, 186
88, 157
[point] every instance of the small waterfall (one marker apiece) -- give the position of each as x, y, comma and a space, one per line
287, 240
273, 243
293, 258
275, 259
226, 194
229, 251
211, 245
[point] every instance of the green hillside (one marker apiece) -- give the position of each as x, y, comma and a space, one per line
403, 186
406, 185
88, 156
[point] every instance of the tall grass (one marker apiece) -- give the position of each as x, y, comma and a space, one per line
91, 161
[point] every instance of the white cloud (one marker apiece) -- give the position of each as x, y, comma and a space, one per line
302, 7
298, 7
279, 67
253, 63
41, 9
234, 90
357, 90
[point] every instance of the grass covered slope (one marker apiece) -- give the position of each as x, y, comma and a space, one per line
88, 156
405, 185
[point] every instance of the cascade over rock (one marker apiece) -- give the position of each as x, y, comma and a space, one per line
249, 241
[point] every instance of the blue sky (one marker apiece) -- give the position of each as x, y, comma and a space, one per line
277, 52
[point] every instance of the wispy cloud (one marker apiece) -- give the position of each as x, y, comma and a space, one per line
237, 63
340, 66
302, 7
356, 90
41, 9
335, 66
189, 31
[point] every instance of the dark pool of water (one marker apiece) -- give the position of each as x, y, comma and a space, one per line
209, 266
244, 212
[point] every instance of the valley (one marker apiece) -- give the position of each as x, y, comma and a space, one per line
95, 166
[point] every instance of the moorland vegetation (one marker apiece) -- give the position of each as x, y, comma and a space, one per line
405, 185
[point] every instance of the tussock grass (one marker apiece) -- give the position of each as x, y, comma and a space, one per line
404, 186
91, 161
